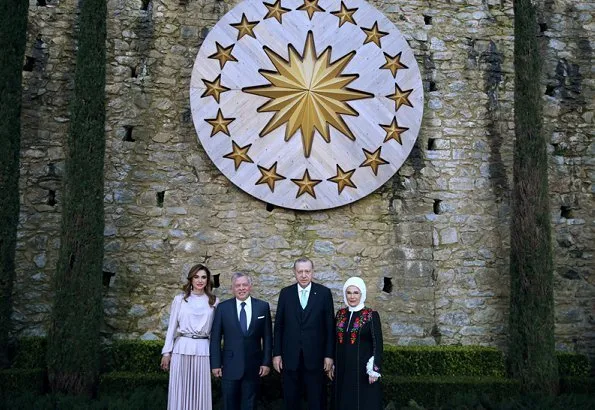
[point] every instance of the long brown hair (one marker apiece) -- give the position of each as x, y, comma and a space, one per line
187, 288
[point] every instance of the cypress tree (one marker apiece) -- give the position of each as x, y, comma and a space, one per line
74, 334
13, 30
531, 346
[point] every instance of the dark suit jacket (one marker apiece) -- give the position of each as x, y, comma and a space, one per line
241, 355
309, 330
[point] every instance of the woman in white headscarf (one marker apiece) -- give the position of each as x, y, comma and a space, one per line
358, 356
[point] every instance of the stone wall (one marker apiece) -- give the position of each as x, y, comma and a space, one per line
432, 243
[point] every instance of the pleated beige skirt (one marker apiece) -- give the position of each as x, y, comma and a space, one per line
189, 383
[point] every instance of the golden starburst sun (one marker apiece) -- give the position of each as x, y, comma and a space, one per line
308, 92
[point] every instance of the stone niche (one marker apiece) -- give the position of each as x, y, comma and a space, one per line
432, 243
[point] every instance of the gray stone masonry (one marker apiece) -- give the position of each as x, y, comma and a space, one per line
432, 244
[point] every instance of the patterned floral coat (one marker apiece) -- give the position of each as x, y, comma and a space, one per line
359, 337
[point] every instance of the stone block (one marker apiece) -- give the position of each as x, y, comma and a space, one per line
410, 330
137, 310
456, 318
448, 236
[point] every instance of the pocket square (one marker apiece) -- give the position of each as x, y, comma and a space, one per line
261, 317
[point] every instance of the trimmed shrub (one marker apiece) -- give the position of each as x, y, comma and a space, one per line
139, 399
30, 353
121, 382
435, 391
531, 343
577, 385
74, 334
142, 356
573, 365
23, 380
13, 38
443, 361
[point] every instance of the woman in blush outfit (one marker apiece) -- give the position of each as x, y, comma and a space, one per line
186, 349
358, 355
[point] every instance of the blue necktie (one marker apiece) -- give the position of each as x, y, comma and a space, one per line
243, 319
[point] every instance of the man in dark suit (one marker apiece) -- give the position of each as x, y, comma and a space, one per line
304, 342
244, 325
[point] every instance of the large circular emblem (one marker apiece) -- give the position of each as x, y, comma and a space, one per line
306, 104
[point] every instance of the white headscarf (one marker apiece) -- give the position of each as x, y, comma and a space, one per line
358, 283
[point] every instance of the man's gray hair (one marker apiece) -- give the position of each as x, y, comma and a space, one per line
238, 275
303, 260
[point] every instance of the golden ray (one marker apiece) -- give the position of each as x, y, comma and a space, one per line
245, 27
373, 34
219, 123
214, 88
239, 154
310, 7
343, 179
345, 14
373, 160
393, 63
223, 54
400, 97
393, 131
269, 176
308, 93
276, 11
306, 185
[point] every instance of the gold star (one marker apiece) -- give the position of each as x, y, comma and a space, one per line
269, 176
373, 160
239, 154
343, 179
311, 7
245, 27
393, 63
219, 123
214, 88
306, 185
393, 131
373, 35
345, 15
400, 97
223, 54
308, 93
275, 10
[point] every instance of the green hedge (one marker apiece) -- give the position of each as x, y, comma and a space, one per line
577, 385
120, 382
436, 390
443, 361
23, 380
573, 365
30, 353
409, 371
142, 356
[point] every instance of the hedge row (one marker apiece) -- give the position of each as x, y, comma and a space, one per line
23, 380
144, 356
436, 390
443, 361
427, 390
